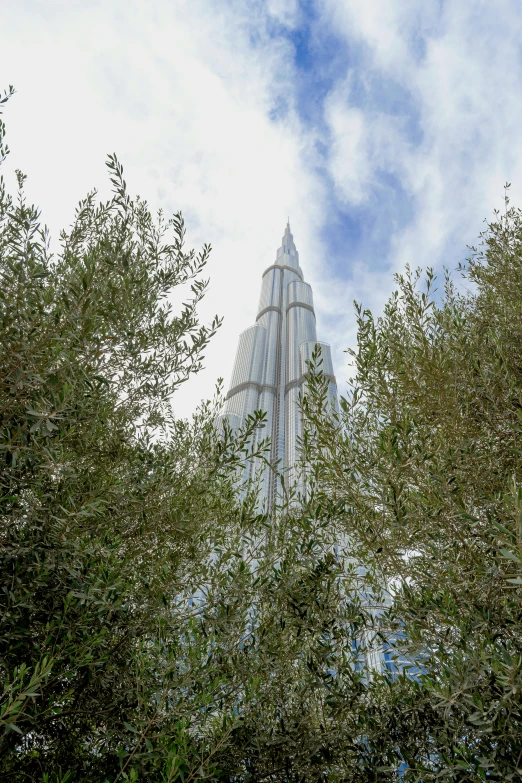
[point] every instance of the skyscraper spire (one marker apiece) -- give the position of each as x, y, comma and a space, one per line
271, 365
288, 244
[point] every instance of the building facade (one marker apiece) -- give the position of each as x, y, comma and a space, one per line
271, 366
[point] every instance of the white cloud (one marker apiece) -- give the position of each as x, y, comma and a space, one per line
459, 63
286, 12
182, 92
363, 142
389, 29
457, 67
348, 160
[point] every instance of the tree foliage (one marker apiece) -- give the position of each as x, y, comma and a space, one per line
154, 627
106, 499
423, 469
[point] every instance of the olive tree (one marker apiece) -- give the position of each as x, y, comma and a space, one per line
422, 469
110, 507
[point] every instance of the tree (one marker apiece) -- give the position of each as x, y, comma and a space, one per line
106, 501
153, 626
423, 470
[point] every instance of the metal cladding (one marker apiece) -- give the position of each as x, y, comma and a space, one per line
271, 365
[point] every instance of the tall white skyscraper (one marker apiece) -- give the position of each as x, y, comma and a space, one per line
270, 367
269, 373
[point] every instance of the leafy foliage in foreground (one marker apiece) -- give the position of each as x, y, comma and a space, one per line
153, 628
105, 499
423, 468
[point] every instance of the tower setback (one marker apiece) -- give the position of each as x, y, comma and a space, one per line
270, 366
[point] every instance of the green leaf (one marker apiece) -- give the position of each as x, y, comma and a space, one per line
506, 553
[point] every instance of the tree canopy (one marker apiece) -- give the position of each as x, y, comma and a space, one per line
423, 470
155, 626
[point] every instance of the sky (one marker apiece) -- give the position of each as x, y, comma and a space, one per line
385, 130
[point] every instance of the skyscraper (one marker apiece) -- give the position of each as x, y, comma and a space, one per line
270, 366
269, 373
